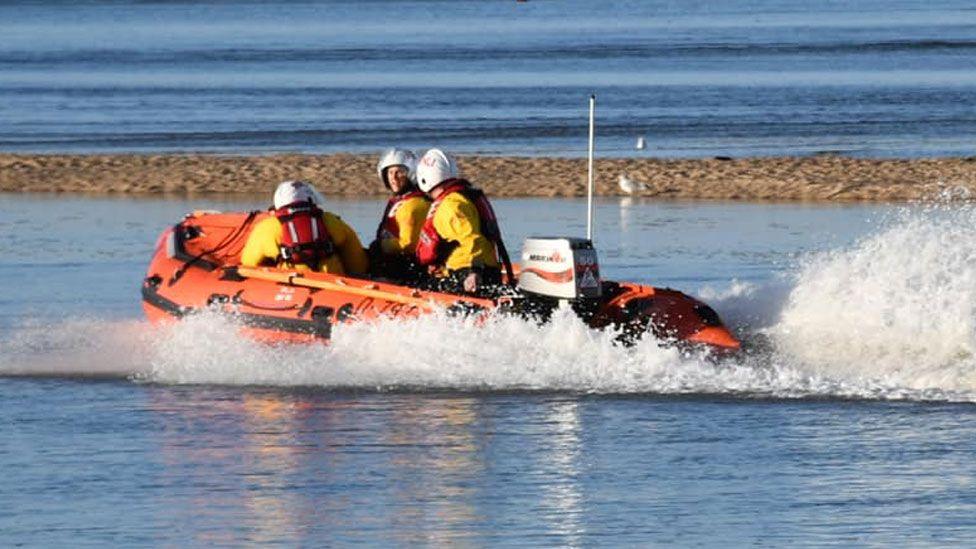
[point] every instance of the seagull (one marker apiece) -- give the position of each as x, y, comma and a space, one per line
631, 186
641, 143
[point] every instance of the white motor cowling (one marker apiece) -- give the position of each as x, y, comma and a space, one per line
561, 267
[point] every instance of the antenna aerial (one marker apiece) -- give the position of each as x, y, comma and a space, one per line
589, 186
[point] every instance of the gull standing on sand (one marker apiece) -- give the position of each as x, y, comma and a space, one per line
631, 186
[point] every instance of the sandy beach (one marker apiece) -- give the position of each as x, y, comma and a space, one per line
818, 178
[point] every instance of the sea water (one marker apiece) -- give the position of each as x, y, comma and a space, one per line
847, 420
737, 78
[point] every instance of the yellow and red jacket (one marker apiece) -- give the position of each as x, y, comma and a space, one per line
402, 220
460, 231
264, 247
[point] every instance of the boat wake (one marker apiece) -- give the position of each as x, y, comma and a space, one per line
76, 347
890, 317
896, 310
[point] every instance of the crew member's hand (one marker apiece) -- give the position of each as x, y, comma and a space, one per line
471, 282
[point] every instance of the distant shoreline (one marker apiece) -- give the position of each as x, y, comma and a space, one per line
817, 178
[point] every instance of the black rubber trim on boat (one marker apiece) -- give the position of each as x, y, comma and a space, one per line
319, 327
231, 274
150, 295
179, 251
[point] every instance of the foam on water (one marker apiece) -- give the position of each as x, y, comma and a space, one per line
892, 316
82, 347
432, 352
895, 311
443, 353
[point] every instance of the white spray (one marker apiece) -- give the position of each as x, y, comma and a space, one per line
898, 308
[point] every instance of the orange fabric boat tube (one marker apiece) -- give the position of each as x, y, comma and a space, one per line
196, 266
716, 336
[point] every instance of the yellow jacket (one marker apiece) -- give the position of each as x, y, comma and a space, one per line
263, 242
409, 216
456, 220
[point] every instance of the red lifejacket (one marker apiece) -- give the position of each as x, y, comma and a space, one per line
434, 250
304, 238
389, 228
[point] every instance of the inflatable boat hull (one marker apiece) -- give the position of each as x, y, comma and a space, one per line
195, 267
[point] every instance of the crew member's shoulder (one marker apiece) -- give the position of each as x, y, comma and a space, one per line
419, 200
414, 204
458, 198
268, 223
332, 220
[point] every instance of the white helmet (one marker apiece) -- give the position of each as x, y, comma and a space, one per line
397, 157
289, 192
434, 168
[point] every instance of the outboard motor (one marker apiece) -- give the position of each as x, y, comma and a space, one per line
560, 267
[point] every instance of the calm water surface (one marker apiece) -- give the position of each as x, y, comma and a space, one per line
122, 463
430, 433
744, 77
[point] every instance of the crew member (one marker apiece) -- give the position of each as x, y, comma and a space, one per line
392, 254
299, 235
460, 243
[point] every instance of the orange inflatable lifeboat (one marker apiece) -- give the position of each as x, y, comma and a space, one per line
195, 267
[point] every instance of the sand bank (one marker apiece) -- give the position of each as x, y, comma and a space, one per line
820, 178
